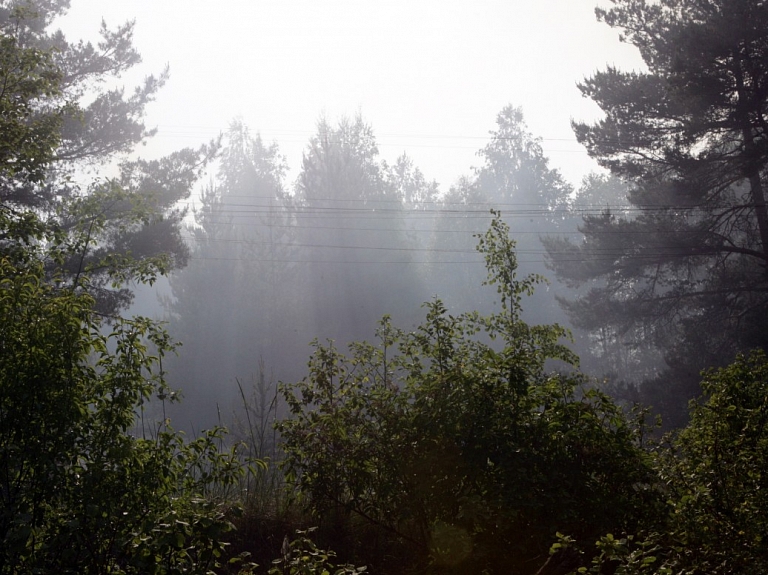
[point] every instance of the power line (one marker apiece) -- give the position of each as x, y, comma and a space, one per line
203, 130
324, 261
594, 255
483, 207
611, 258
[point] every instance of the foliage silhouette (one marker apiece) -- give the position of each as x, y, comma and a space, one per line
458, 441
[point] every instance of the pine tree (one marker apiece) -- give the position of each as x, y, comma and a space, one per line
61, 120
231, 304
351, 235
689, 262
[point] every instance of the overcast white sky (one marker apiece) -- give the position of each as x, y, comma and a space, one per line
428, 75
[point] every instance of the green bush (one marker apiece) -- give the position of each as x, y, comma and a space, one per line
457, 441
716, 483
302, 556
80, 492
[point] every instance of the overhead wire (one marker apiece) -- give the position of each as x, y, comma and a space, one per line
294, 136
356, 214
596, 255
376, 208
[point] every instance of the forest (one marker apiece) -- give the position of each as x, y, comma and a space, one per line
358, 371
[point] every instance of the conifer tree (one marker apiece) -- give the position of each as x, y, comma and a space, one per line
61, 122
689, 262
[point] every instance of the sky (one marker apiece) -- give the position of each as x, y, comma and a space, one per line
429, 76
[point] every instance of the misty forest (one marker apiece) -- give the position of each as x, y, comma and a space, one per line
210, 364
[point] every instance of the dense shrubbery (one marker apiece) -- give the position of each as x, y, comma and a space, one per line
459, 443
453, 449
714, 478
456, 448
470, 445
81, 493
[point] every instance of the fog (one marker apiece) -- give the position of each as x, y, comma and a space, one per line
363, 148
276, 264
424, 287
429, 76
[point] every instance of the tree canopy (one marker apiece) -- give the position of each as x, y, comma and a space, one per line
83, 487
688, 262
62, 118
457, 441
466, 443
